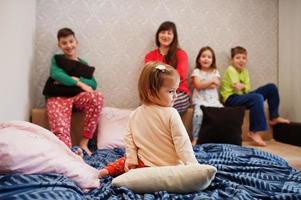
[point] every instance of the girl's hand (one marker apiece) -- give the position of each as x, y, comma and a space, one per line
216, 81
212, 86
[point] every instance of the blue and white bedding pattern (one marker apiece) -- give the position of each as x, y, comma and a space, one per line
243, 173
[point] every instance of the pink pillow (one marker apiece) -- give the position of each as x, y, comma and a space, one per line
28, 148
113, 126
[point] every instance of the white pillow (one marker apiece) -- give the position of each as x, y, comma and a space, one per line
28, 148
176, 179
112, 127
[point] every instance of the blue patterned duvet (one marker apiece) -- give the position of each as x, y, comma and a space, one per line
243, 173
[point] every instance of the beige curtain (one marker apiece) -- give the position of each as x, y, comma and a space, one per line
290, 58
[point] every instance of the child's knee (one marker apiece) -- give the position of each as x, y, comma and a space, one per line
272, 87
258, 99
98, 98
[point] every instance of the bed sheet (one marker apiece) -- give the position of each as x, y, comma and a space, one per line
243, 173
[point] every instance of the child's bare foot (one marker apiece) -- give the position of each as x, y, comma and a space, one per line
102, 173
279, 120
257, 139
193, 142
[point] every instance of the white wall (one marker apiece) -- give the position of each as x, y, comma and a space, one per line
290, 58
115, 35
17, 29
102, 30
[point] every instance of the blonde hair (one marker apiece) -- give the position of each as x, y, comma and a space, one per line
152, 79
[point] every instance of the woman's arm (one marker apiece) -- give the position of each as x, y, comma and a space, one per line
182, 64
148, 57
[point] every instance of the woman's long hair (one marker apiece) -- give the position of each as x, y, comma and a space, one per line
170, 58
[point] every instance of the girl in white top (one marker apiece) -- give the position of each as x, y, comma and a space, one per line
156, 135
205, 80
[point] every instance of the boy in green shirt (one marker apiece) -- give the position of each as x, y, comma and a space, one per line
236, 91
79, 91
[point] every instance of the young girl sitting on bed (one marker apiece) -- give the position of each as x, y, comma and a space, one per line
156, 135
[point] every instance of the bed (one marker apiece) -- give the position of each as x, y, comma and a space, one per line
243, 173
